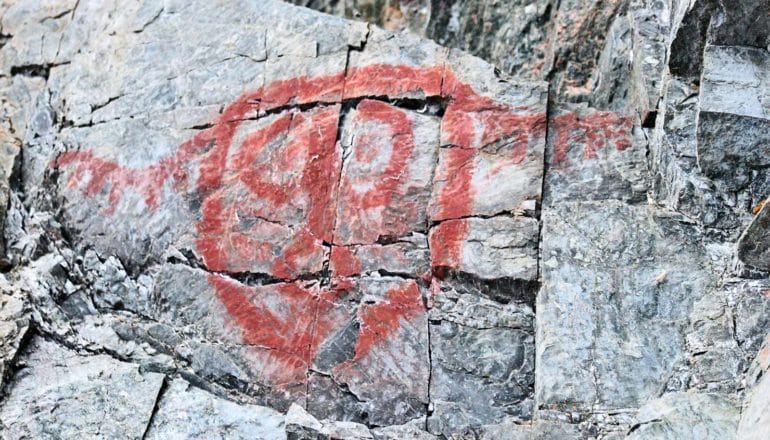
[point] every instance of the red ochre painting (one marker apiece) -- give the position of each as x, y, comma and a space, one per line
275, 199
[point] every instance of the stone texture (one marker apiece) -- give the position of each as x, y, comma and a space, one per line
755, 422
482, 354
733, 122
543, 429
687, 416
594, 155
630, 262
64, 395
406, 256
495, 150
677, 181
386, 336
753, 244
251, 219
187, 412
488, 249
14, 326
386, 176
741, 23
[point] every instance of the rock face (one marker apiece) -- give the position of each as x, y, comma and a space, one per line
64, 395
253, 220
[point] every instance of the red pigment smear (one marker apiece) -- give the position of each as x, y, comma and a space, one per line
293, 342
455, 199
310, 160
287, 321
471, 122
387, 181
401, 132
301, 90
343, 262
591, 133
446, 240
470, 111
393, 81
379, 321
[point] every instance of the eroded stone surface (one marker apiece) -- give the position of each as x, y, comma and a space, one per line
594, 155
64, 394
687, 416
733, 119
274, 207
483, 360
385, 335
187, 412
489, 249
630, 261
270, 236
753, 244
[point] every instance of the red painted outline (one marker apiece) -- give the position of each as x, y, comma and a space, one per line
293, 341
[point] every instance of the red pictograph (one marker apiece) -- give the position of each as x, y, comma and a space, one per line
269, 195
592, 132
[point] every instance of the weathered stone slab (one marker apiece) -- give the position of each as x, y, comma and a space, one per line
390, 154
603, 263
14, 327
274, 206
754, 244
188, 412
495, 132
408, 256
650, 24
688, 415
300, 425
400, 66
733, 123
9, 151
254, 213
716, 355
593, 155
385, 336
482, 355
752, 319
537, 430
755, 416
493, 248
676, 178
741, 23
66, 395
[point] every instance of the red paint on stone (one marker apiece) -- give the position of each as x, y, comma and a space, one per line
456, 196
343, 262
299, 174
380, 320
592, 133
286, 322
235, 184
301, 90
393, 81
284, 335
446, 241
474, 121
361, 214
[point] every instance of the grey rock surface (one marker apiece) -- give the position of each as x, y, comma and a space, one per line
254, 220
685, 415
733, 119
188, 412
630, 262
755, 423
482, 357
752, 246
64, 395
